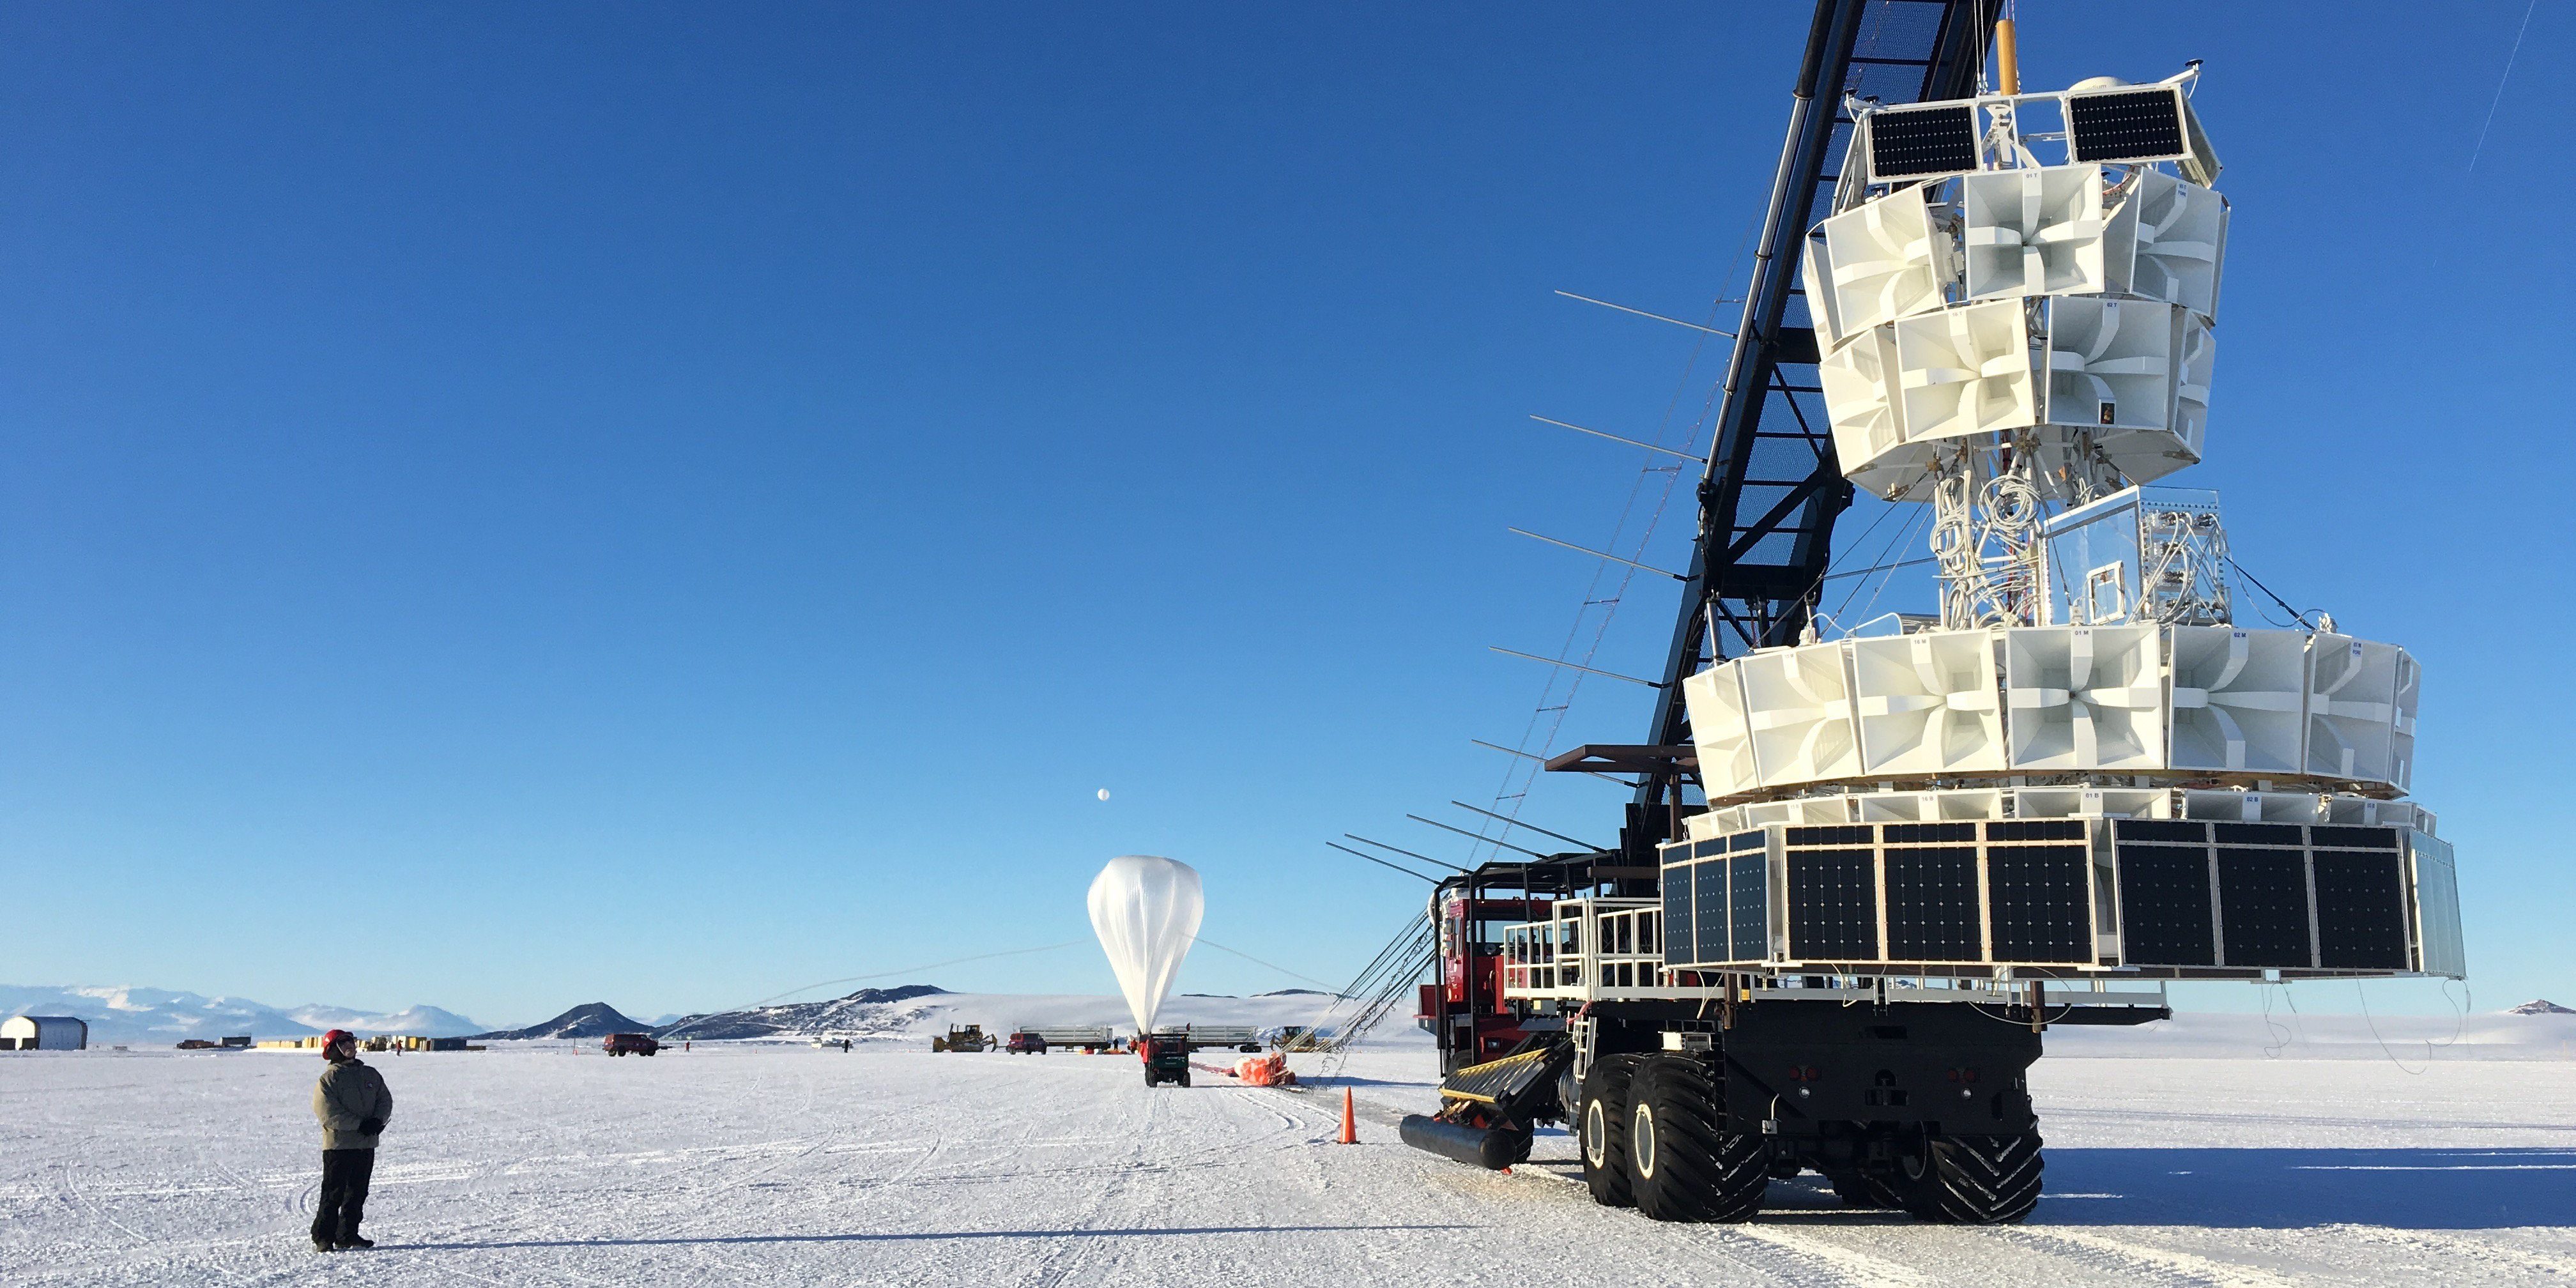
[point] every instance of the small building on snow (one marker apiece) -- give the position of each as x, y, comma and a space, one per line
43, 1033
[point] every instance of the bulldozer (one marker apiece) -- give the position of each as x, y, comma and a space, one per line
964, 1037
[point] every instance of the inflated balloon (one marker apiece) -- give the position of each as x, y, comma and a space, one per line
1146, 910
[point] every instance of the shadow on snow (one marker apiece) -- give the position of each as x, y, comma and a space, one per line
908, 1237
2420, 1189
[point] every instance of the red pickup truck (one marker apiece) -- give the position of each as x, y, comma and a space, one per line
630, 1044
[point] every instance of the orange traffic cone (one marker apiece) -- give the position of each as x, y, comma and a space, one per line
1350, 1121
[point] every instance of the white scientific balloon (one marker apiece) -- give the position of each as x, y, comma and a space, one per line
1104, 793
1146, 910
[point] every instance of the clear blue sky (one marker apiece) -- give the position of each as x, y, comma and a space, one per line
510, 505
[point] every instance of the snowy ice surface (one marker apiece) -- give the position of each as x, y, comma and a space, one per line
770, 1163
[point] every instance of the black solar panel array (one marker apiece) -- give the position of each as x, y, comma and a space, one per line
2126, 125
1923, 142
1680, 944
2001, 892
1716, 896
2242, 896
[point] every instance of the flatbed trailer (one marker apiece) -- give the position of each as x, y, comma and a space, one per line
1239, 1037
1041, 1038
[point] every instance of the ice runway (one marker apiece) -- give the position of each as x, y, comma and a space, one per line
787, 1165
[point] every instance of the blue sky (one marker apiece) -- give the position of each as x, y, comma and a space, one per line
505, 506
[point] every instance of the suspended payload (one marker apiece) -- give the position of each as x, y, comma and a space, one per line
2064, 308
1146, 910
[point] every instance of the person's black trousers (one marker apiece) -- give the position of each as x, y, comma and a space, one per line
343, 1203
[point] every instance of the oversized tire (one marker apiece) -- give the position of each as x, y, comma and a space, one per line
1184, 1077
1976, 1180
1685, 1165
1601, 1128
1151, 1079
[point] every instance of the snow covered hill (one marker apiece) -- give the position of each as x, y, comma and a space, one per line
125, 1015
918, 1011
427, 1021
588, 1020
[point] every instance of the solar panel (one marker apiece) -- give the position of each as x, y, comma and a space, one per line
1678, 944
1833, 904
2263, 907
2361, 910
2164, 904
2126, 125
2280, 834
1932, 903
1749, 899
2041, 902
1922, 142
2140, 829
1708, 910
1927, 833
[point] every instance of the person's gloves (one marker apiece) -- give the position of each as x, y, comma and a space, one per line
370, 1126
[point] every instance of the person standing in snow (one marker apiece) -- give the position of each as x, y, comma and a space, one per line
353, 1105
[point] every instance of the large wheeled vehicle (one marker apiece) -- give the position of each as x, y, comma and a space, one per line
1861, 876
629, 1044
1166, 1057
965, 1037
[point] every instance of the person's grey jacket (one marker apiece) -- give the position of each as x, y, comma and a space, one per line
348, 1095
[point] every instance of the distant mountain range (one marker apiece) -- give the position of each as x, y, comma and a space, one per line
135, 1016
2540, 1006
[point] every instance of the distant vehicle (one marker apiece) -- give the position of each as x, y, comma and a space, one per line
196, 1044
1298, 1037
1242, 1037
965, 1037
1166, 1056
1026, 1042
630, 1044
1090, 1038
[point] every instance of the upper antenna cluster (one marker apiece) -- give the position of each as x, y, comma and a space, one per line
2016, 294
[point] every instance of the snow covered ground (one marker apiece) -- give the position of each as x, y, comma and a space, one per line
742, 1163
